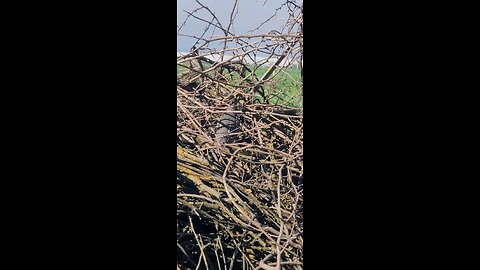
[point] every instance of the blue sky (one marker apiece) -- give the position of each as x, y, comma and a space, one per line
251, 14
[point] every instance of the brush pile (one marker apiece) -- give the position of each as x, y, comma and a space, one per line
240, 192
239, 163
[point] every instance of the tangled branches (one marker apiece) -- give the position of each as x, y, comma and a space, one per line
239, 154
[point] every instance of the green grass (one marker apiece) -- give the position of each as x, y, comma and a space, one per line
283, 87
180, 69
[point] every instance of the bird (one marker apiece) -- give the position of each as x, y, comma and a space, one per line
227, 123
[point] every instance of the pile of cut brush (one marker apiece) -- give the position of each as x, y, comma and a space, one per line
239, 171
